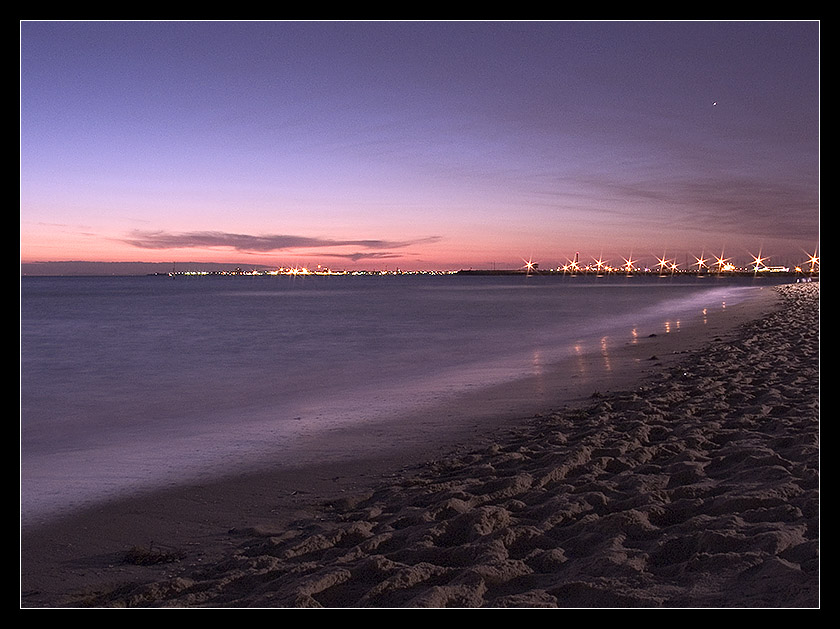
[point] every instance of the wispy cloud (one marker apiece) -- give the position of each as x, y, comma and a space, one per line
260, 244
356, 257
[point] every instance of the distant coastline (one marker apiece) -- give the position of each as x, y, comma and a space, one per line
127, 269
86, 268
641, 272
92, 269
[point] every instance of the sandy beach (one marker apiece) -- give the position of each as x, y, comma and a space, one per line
691, 483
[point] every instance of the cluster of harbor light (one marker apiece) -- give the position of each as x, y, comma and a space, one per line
598, 266
305, 271
664, 266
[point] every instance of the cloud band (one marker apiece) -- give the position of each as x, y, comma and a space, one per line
258, 244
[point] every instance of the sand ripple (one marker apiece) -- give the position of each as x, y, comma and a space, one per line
698, 489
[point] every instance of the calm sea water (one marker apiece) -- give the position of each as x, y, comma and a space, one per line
137, 382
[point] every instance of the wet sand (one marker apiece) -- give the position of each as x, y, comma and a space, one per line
686, 476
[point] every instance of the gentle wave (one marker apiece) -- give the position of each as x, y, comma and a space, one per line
130, 383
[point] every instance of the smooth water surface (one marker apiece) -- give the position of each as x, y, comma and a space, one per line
136, 382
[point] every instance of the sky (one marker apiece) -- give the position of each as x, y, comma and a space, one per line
418, 145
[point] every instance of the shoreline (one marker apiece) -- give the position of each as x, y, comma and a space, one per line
79, 561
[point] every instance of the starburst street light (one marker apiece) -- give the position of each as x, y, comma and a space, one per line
628, 264
759, 261
599, 263
813, 260
571, 266
722, 263
529, 265
663, 263
700, 262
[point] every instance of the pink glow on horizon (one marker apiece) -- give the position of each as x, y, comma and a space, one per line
418, 145
56, 245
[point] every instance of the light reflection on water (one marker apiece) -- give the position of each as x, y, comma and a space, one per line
128, 382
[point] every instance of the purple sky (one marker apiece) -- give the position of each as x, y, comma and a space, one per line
417, 144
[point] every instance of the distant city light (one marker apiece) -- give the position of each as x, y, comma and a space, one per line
663, 266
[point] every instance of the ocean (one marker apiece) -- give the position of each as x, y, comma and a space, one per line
135, 383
